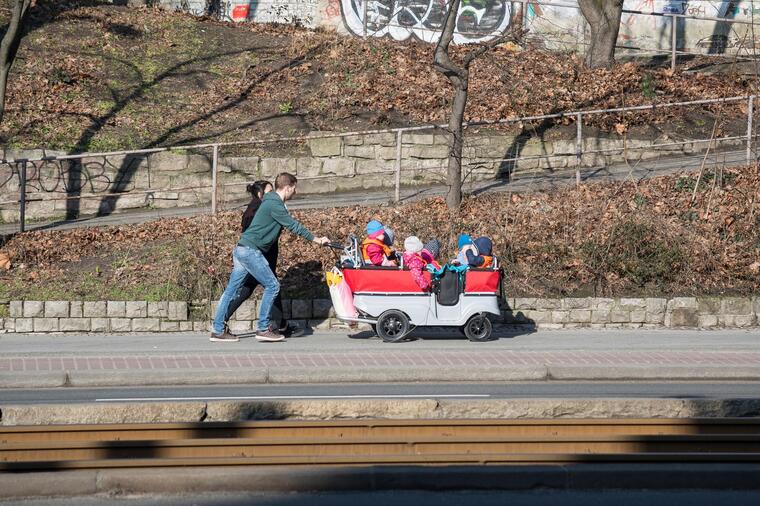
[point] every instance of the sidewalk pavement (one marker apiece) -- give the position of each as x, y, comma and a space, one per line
537, 180
44, 360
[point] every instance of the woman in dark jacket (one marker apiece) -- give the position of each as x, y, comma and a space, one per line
257, 191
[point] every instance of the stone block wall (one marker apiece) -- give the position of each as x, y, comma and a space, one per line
324, 165
545, 314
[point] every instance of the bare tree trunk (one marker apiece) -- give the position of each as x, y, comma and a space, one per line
603, 18
458, 77
9, 45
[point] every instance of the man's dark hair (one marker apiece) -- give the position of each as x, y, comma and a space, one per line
284, 179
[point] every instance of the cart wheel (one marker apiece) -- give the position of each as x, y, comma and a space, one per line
478, 328
392, 326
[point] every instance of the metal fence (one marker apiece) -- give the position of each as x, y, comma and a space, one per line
37, 187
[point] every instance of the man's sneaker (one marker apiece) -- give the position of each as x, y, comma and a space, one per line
269, 336
224, 337
292, 331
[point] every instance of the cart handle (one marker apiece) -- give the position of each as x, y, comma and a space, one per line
334, 245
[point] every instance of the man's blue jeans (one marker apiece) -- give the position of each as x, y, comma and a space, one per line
251, 261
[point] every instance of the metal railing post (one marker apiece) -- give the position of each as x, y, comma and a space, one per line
214, 164
750, 113
398, 165
578, 146
364, 17
673, 42
22, 197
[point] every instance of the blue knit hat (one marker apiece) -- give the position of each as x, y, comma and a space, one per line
463, 240
374, 226
484, 245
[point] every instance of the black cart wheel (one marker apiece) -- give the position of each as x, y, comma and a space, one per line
478, 328
392, 326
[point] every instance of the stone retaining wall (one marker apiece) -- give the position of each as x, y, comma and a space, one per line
178, 316
323, 165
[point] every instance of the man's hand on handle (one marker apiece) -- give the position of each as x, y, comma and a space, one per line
322, 241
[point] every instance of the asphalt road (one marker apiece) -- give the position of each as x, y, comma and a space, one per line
418, 498
558, 390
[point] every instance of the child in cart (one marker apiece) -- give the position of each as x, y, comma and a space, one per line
474, 253
376, 248
418, 256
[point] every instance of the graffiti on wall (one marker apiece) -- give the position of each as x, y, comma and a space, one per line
96, 175
477, 20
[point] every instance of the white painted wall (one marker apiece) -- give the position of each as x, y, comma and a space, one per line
557, 26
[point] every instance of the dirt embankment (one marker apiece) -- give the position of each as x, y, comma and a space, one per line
600, 239
105, 77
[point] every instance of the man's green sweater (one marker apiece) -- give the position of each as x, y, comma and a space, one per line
268, 222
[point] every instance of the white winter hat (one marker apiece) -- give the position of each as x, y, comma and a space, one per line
413, 244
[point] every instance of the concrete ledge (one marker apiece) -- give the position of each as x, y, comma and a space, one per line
393, 374
580, 476
33, 379
232, 411
166, 377
654, 372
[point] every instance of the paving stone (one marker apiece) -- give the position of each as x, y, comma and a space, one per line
339, 167
638, 316
158, 309
56, 309
548, 303
576, 303
580, 315
600, 316
756, 304
136, 309
632, 304
654, 318
116, 308
146, 324
96, 309
24, 325
74, 324
707, 321
737, 321
682, 302
657, 305
320, 324
7, 324
46, 324
185, 326
620, 316
684, 317
240, 326
736, 305
560, 316
178, 310
367, 152
16, 309
322, 308
551, 326
602, 303
246, 311
708, 305
524, 303
532, 316
301, 308
165, 326
99, 325
34, 309
76, 309
328, 146
201, 326
120, 324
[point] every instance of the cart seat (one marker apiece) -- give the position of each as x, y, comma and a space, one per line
394, 280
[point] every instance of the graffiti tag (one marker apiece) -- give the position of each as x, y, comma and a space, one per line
477, 20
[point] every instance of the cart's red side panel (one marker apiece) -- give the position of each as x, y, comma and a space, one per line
481, 281
381, 281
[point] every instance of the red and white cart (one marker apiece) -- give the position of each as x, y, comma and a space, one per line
393, 304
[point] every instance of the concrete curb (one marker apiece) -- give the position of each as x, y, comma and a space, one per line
279, 375
232, 411
115, 482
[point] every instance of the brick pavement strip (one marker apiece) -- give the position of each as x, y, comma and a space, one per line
366, 359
